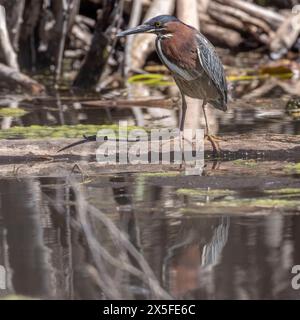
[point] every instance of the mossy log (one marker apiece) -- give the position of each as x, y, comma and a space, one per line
36, 156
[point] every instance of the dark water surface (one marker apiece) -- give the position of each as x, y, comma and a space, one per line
194, 252
236, 242
256, 115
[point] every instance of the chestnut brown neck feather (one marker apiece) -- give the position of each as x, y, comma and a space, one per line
181, 47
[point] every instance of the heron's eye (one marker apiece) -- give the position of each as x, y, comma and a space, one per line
157, 24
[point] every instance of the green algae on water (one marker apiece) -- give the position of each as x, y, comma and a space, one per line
285, 191
247, 204
246, 163
160, 174
292, 168
66, 131
12, 112
261, 203
205, 192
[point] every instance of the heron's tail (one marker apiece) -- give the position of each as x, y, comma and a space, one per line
219, 104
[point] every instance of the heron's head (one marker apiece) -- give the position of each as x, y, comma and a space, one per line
159, 25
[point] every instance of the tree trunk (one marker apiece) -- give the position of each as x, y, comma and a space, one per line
6, 48
143, 44
96, 59
14, 11
187, 11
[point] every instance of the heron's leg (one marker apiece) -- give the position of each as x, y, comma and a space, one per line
182, 116
210, 138
181, 125
182, 113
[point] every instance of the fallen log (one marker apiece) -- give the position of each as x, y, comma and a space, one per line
243, 16
142, 103
14, 77
274, 19
203, 5
285, 36
221, 36
226, 20
267, 147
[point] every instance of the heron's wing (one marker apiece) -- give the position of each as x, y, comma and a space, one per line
212, 65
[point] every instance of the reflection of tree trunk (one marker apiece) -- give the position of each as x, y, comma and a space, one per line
28, 257
295, 222
273, 235
123, 199
83, 284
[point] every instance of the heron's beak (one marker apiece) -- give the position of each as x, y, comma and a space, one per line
143, 28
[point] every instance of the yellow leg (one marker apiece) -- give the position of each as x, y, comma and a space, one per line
214, 143
212, 139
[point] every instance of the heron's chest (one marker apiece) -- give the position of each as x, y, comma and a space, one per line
180, 57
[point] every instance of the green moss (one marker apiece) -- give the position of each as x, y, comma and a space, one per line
281, 198
247, 163
292, 168
159, 174
205, 192
241, 205
12, 112
76, 131
262, 203
16, 297
286, 191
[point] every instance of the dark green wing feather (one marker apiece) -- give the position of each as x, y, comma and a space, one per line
213, 67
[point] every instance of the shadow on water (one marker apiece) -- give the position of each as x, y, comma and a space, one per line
60, 239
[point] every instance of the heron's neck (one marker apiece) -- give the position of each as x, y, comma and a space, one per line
165, 36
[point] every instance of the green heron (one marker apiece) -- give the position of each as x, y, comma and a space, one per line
193, 62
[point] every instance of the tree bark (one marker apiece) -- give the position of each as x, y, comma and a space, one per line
14, 11
59, 15
187, 11
5, 43
143, 44
96, 59
274, 19
27, 40
285, 36
221, 36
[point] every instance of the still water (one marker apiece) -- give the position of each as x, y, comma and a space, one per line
224, 235
190, 248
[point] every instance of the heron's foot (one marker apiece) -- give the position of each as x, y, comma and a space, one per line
214, 143
216, 138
